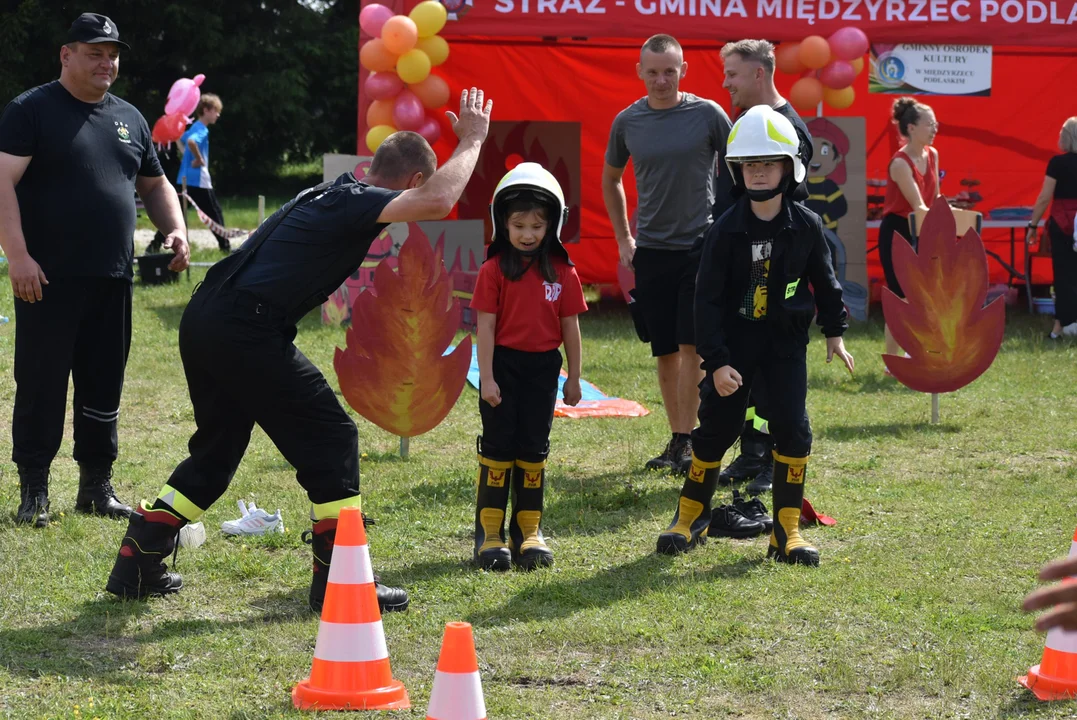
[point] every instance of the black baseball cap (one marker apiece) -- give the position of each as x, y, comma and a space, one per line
94, 28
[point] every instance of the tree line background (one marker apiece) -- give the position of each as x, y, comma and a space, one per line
286, 72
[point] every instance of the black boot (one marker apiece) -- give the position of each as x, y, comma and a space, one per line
321, 538
529, 549
96, 496
689, 526
674, 449
681, 455
491, 550
763, 482
754, 455
786, 544
728, 521
140, 570
33, 497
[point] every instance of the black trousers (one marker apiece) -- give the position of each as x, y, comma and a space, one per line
206, 200
519, 428
242, 369
80, 329
722, 418
1064, 266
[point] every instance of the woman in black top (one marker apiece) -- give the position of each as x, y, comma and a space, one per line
1060, 190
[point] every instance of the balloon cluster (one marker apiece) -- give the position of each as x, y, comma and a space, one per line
182, 100
399, 55
827, 67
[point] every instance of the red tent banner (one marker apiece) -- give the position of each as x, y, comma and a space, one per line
977, 22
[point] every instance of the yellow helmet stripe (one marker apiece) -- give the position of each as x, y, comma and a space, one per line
773, 134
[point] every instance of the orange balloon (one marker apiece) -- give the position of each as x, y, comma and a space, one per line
814, 52
857, 64
806, 93
433, 92
787, 60
399, 34
375, 57
380, 112
839, 99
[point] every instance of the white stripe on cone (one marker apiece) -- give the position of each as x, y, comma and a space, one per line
456, 696
351, 642
1062, 640
350, 565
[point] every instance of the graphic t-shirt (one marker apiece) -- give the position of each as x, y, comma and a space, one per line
753, 305
529, 310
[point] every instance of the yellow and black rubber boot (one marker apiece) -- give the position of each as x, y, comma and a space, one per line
529, 549
786, 543
491, 550
693, 516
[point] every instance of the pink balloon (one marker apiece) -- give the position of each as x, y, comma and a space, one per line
431, 130
408, 111
372, 17
184, 95
383, 85
837, 75
848, 43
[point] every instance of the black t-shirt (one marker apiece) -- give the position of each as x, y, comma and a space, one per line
316, 247
1063, 168
77, 196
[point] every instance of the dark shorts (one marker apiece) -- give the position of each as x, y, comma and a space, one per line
665, 290
892, 224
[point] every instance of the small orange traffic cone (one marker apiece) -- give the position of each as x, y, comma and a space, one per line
351, 662
1055, 678
457, 693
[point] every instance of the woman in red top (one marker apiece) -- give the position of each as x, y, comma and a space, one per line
913, 186
1060, 190
528, 297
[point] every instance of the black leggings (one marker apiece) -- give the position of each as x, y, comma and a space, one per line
206, 200
1064, 267
892, 224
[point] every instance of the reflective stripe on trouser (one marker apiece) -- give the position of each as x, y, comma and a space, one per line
693, 514
788, 494
493, 497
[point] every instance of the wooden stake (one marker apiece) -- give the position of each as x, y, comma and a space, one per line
404, 442
261, 209
934, 408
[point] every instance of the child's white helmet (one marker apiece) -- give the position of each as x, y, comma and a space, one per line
763, 133
530, 178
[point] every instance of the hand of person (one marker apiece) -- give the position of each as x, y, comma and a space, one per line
197, 162
1061, 597
572, 392
177, 241
490, 392
836, 346
727, 380
26, 277
1031, 236
627, 250
474, 119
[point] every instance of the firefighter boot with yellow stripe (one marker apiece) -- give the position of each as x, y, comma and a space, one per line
491, 550
529, 550
693, 516
786, 543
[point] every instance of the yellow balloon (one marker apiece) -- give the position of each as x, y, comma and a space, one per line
858, 64
429, 17
413, 66
376, 135
839, 99
437, 49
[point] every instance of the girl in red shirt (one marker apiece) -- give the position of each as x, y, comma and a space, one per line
528, 297
913, 186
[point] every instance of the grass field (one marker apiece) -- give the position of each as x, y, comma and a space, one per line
912, 614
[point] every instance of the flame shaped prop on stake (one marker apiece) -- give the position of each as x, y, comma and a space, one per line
942, 322
393, 372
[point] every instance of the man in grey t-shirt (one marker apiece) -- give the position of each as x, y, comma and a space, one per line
675, 141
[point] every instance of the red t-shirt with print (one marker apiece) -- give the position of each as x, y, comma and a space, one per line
529, 310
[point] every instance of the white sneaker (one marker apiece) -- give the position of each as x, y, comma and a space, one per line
1070, 330
254, 521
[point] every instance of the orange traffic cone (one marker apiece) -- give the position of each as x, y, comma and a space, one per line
351, 662
457, 693
1055, 678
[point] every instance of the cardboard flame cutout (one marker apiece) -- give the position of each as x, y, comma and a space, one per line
942, 322
393, 372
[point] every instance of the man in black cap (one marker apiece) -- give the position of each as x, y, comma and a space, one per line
72, 157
